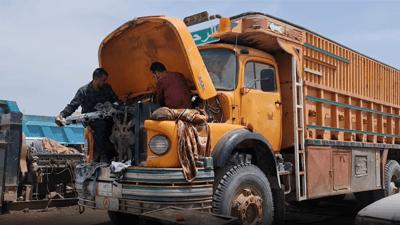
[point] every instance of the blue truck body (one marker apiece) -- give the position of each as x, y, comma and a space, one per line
45, 126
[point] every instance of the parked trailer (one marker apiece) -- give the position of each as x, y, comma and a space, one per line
293, 116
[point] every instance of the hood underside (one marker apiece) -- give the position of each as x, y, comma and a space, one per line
128, 52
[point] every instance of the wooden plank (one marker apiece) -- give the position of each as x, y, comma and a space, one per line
371, 124
321, 134
306, 121
335, 118
359, 122
349, 121
390, 126
380, 125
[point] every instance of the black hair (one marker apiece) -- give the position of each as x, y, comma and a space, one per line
157, 67
99, 72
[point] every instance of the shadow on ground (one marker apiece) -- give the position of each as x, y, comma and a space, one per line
327, 212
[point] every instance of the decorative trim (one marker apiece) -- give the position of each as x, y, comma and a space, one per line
351, 131
350, 144
350, 106
327, 53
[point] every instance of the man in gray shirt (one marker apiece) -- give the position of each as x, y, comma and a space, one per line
96, 91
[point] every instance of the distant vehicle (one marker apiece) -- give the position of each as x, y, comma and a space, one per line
32, 176
37, 127
384, 211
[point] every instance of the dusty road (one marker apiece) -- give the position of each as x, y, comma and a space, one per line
326, 212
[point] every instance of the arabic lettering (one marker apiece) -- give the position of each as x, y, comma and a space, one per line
213, 30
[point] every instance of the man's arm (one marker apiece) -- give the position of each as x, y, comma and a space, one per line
160, 94
73, 105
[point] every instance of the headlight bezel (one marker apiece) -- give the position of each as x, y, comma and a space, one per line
159, 152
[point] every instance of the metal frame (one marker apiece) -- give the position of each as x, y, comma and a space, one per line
299, 149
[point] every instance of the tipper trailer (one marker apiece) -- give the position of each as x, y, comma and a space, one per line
293, 116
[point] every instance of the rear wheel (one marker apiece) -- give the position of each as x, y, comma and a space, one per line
243, 191
120, 218
392, 173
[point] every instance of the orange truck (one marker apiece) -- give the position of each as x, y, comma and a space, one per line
293, 116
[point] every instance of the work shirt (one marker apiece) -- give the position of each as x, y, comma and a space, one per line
87, 98
173, 91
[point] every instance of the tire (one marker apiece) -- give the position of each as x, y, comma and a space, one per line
74, 150
243, 191
392, 172
120, 218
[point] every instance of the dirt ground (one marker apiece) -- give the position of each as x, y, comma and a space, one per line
327, 212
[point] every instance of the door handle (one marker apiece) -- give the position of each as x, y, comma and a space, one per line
279, 103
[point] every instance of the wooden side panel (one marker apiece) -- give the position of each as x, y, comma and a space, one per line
349, 97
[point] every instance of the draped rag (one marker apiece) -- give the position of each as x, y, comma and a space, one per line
194, 137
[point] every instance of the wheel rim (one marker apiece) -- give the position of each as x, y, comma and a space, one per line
392, 188
247, 205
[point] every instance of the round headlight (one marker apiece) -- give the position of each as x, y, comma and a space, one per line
159, 144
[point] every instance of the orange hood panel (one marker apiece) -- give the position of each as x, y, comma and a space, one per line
128, 52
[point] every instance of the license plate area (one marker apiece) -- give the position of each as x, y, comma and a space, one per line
105, 189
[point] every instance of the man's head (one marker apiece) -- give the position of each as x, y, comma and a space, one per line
157, 69
99, 78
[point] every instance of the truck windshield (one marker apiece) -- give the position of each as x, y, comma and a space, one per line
222, 67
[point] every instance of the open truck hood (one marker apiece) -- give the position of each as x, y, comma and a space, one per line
128, 52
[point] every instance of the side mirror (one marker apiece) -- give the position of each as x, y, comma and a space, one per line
268, 82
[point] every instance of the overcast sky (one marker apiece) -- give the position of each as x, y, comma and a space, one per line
48, 49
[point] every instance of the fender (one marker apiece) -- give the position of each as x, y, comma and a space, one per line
224, 147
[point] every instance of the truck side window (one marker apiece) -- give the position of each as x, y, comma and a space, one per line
252, 74
249, 75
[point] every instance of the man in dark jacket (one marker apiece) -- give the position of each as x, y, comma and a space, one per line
97, 91
172, 90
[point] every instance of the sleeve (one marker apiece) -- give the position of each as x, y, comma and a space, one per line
73, 105
160, 94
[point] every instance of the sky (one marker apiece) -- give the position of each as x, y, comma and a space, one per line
48, 49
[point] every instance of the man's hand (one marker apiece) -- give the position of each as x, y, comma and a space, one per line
59, 121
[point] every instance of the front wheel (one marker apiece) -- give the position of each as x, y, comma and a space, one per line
243, 191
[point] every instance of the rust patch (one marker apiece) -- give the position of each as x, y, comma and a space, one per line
270, 116
254, 23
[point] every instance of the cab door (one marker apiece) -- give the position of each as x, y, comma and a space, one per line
261, 102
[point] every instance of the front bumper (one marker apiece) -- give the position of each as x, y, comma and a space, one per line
145, 189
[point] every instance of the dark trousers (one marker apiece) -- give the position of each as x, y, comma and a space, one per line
99, 132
